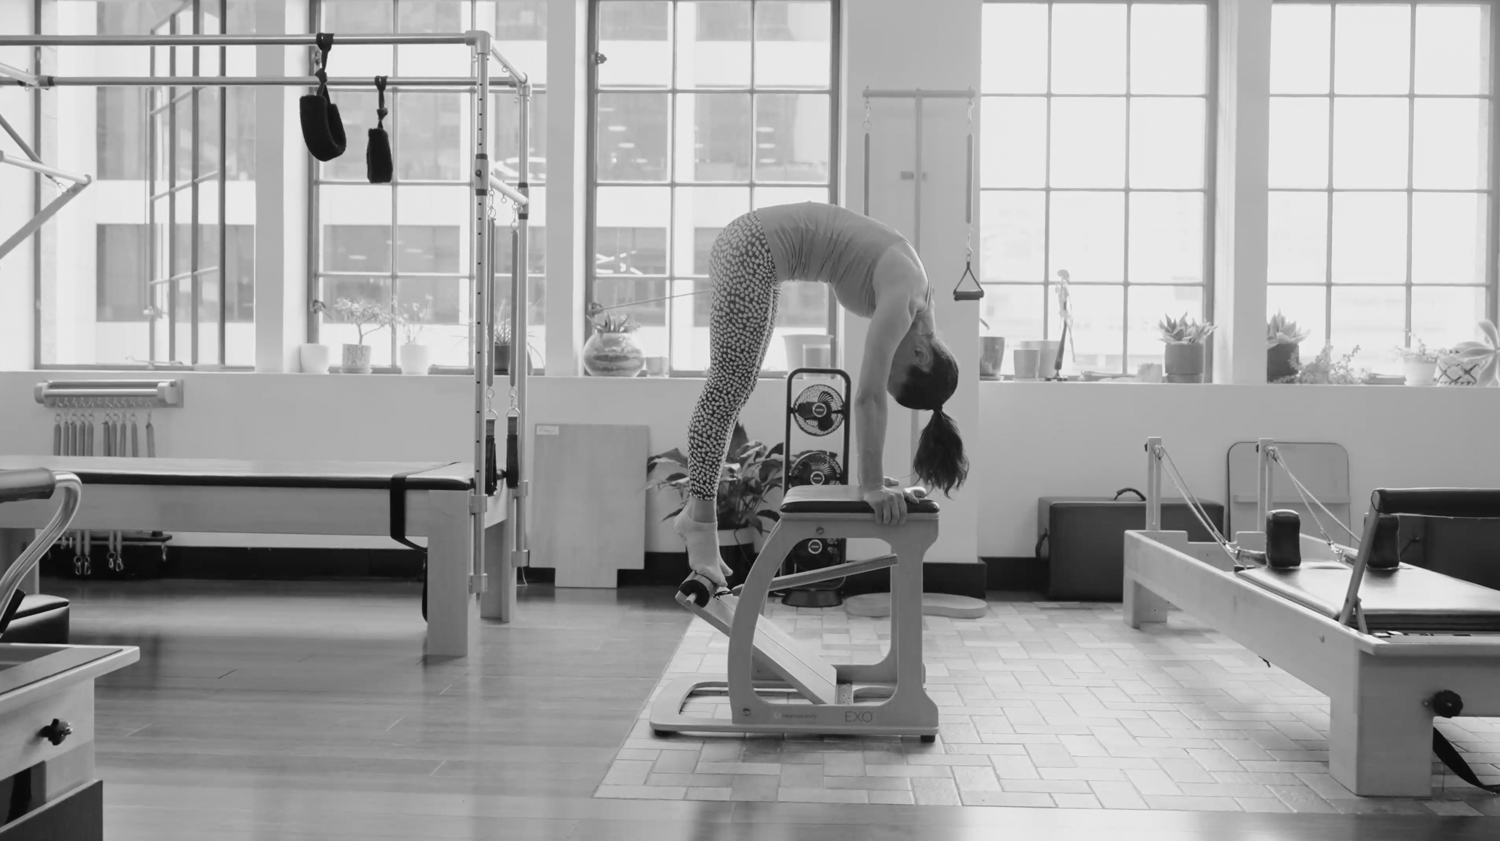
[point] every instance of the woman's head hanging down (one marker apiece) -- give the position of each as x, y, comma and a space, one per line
874, 273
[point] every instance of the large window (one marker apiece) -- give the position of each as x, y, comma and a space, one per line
1095, 161
702, 111
154, 264
1380, 174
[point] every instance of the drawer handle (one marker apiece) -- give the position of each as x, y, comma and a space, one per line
57, 731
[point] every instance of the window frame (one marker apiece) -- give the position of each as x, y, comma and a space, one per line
199, 9
671, 183
316, 274
1492, 160
1209, 189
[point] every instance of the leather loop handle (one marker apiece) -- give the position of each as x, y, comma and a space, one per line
1122, 491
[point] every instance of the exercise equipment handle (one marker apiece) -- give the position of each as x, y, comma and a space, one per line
30, 483
28, 487
1122, 491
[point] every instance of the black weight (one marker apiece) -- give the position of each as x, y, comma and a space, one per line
819, 410
1283, 539
695, 590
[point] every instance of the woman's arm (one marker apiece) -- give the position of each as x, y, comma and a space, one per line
887, 327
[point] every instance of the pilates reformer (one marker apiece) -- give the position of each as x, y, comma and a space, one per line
1392, 645
774, 684
460, 506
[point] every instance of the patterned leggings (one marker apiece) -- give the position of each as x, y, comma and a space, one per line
741, 322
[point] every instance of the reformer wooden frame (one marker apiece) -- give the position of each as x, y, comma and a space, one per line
1380, 739
485, 182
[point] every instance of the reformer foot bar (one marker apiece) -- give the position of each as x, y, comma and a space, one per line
1390, 644
774, 684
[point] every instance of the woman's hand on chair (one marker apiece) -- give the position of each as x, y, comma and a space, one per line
887, 501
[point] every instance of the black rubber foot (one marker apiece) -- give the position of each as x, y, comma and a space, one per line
662, 734
929, 739
812, 598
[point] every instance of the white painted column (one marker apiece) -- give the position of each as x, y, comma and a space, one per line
281, 173
1241, 204
887, 46
568, 60
17, 312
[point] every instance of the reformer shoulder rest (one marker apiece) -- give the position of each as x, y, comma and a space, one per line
839, 499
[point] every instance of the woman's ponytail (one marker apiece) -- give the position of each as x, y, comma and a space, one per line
940, 461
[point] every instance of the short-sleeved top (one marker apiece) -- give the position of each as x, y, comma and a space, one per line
824, 242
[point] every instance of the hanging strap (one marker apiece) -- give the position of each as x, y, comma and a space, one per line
977, 292
324, 40
1447, 704
380, 111
398, 508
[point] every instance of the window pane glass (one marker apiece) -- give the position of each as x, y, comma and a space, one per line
1306, 305
1088, 237
701, 213
792, 43
713, 44
1451, 148
335, 330
719, 146
791, 137
431, 16
624, 292
1168, 49
429, 141
239, 306
1300, 41
1088, 48
1013, 145
1088, 142
1299, 143
121, 272
1012, 236
208, 130
1015, 48
1014, 312
1147, 305
1297, 247
1098, 333
1448, 236
1166, 238
121, 133
1372, 49
1166, 143
356, 248
1452, 49
1369, 238
1445, 316
1372, 317
630, 237
208, 318
632, 142
507, 137
636, 39
772, 196
427, 249
241, 131
182, 131
1369, 143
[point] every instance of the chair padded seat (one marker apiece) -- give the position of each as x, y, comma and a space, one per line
40, 619
839, 499
1407, 598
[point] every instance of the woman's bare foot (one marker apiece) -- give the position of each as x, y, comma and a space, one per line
702, 540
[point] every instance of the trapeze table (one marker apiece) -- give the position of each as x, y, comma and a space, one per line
1384, 653
326, 497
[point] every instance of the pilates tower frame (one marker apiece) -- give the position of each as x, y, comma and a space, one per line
483, 179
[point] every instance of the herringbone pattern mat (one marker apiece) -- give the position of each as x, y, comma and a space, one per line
1045, 705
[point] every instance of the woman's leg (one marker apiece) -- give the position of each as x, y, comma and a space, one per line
742, 319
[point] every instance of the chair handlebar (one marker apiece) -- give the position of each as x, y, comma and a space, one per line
28, 483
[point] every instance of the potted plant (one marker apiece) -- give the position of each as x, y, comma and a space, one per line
1325, 370
1185, 351
1486, 354
315, 358
613, 351
502, 350
1420, 362
752, 472
367, 317
416, 358
1283, 338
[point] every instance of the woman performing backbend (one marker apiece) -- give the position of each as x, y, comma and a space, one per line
874, 273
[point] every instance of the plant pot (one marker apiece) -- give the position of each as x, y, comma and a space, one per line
357, 359
1454, 371
991, 356
315, 359
415, 359
1184, 362
1282, 361
1420, 372
737, 548
613, 355
1049, 350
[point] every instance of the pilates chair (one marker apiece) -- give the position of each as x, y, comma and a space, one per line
774, 684
36, 618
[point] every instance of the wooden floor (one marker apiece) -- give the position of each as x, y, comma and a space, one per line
305, 711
